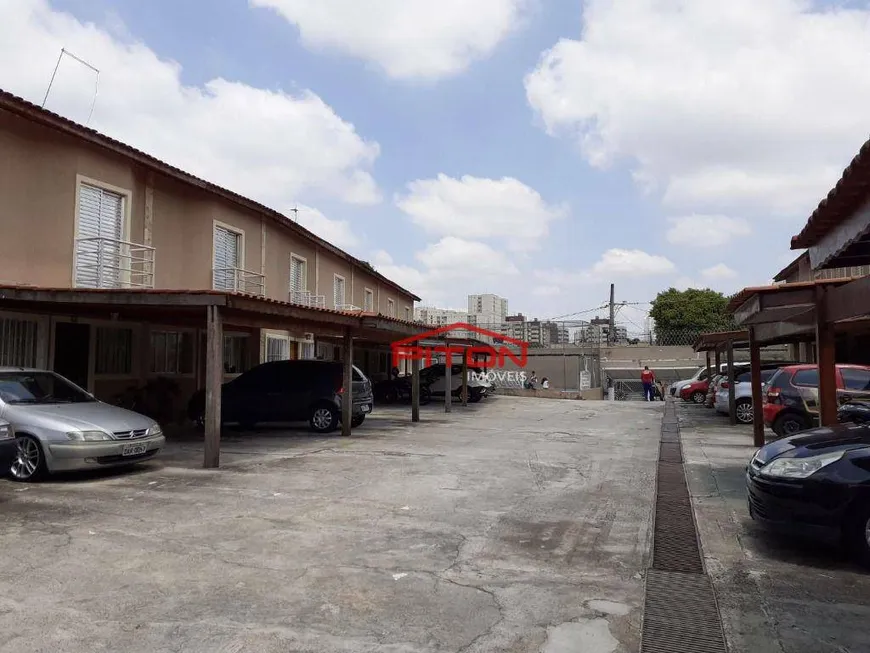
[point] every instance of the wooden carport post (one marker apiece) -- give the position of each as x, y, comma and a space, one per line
718, 359
826, 360
448, 380
464, 377
732, 412
347, 397
709, 374
214, 373
755, 372
415, 390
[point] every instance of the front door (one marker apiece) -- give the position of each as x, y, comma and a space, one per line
72, 349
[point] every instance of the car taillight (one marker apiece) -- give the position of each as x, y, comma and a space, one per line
724, 385
773, 395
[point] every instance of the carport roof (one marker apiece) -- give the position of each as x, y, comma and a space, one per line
187, 308
718, 339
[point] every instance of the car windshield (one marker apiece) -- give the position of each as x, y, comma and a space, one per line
39, 388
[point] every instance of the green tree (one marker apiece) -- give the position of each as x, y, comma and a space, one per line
681, 315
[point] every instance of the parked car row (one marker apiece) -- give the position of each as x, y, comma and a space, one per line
48, 424
433, 383
789, 393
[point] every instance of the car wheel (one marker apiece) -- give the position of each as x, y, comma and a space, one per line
786, 425
743, 410
474, 397
699, 397
29, 465
324, 418
357, 421
857, 535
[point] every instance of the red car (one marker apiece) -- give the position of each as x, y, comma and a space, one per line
791, 403
695, 392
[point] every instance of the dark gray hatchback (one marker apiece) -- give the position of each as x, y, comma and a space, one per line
289, 391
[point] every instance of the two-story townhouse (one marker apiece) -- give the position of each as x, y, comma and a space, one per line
80, 210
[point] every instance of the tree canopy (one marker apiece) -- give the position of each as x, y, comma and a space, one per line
689, 311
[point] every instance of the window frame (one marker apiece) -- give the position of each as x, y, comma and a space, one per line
794, 376
846, 388
95, 353
191, 333
44, 335
335, 278
241, 254
391, 307
368, 306
237, 335
278, 338
304, 261
126, 216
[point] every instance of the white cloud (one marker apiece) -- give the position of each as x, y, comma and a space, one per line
337, 232
718, 105
267, 144
631, 262
719, 272
706, 230
449, 264
407, 38
471, 207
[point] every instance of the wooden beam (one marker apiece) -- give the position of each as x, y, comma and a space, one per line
732, 408
848, 301
780, 314
709, 371
826, 355
214, 376
766, 333
289, 311
415, 390
755, 372
347, 397
113, 297
748, 309
718, 361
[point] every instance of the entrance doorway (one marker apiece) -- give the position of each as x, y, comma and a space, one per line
72, 349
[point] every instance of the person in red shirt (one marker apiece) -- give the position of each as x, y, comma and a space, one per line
648, 378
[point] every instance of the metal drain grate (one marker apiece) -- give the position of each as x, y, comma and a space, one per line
680, 611
680, 615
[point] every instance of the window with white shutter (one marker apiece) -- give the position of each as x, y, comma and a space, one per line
369, 301
298, 277
18, 342
338, 291
227, 257
391, 308
100, 230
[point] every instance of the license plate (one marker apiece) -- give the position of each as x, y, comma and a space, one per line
366, 408
133, 450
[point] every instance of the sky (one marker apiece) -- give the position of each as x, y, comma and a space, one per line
536, 149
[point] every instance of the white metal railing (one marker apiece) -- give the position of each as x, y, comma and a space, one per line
238, 280
112, 263
347, 307
307, 298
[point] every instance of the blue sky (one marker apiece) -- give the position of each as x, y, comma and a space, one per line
552, 147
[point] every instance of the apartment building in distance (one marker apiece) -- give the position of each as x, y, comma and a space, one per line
536, 332
438, 317
598, 332
86, 213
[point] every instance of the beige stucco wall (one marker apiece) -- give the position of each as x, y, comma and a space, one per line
39, 173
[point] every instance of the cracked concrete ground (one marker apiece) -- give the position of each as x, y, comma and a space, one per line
514, 525
776, 595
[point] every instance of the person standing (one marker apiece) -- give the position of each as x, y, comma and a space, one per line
647, 378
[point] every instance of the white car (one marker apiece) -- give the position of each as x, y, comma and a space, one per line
433, 377
742, 395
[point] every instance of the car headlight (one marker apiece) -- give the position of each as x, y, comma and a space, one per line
800, 467
155, 430
88, 436
6, 432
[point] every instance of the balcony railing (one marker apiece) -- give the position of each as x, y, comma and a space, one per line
347, 307
306, 298
238, 280
112, 263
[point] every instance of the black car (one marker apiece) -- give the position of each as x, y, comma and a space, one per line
816, 483
399, 389
289, 391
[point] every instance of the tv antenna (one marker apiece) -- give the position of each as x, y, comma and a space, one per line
295, 211
64, 51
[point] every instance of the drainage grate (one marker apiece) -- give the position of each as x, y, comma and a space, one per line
680, 611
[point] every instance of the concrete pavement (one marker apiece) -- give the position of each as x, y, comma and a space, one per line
514, 525
776, 595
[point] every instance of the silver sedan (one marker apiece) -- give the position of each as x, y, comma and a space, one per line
60, 427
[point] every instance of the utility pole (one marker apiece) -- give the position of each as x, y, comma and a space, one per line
611, 333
